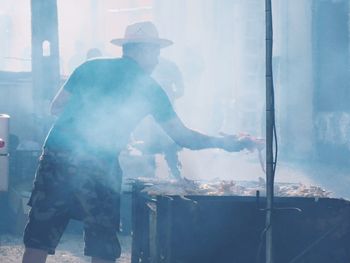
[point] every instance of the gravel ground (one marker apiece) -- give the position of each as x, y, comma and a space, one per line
70, 250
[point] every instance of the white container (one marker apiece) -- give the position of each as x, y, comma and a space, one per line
4, 154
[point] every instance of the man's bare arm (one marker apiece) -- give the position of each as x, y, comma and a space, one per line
191, 139
59, 101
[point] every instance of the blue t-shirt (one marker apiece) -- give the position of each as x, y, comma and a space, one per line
109, 97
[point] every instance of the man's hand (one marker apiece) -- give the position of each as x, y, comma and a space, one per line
235, 143
254, 143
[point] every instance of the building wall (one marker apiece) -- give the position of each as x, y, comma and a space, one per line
293, 78
332, 80
312, 79
16, 101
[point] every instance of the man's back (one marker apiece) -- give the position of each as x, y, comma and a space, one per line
108, 98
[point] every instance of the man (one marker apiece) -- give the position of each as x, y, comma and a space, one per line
149, 137
93, 53
79, 175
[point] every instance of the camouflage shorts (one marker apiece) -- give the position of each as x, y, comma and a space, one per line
80, 187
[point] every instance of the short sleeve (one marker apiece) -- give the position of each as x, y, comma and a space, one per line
162, 110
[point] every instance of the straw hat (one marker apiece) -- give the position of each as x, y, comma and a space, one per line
142, 32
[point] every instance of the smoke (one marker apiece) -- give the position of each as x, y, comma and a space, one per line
219, 48
223, 89
15, 35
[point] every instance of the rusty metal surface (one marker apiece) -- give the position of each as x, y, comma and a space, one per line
230, 229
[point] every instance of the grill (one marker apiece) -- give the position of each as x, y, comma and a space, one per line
190, 229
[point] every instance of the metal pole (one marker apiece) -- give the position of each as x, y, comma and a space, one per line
269, 134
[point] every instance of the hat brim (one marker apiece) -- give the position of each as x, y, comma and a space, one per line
157, 41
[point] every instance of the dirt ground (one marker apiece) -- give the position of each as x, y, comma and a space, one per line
70, 250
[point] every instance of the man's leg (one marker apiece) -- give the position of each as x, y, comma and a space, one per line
172, 159
98, 195
33, 255
48, 216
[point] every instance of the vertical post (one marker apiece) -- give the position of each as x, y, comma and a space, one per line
135, 243
4, 152
269, 134
94, 11
45, 52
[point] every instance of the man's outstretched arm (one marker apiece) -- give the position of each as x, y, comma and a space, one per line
195, 140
